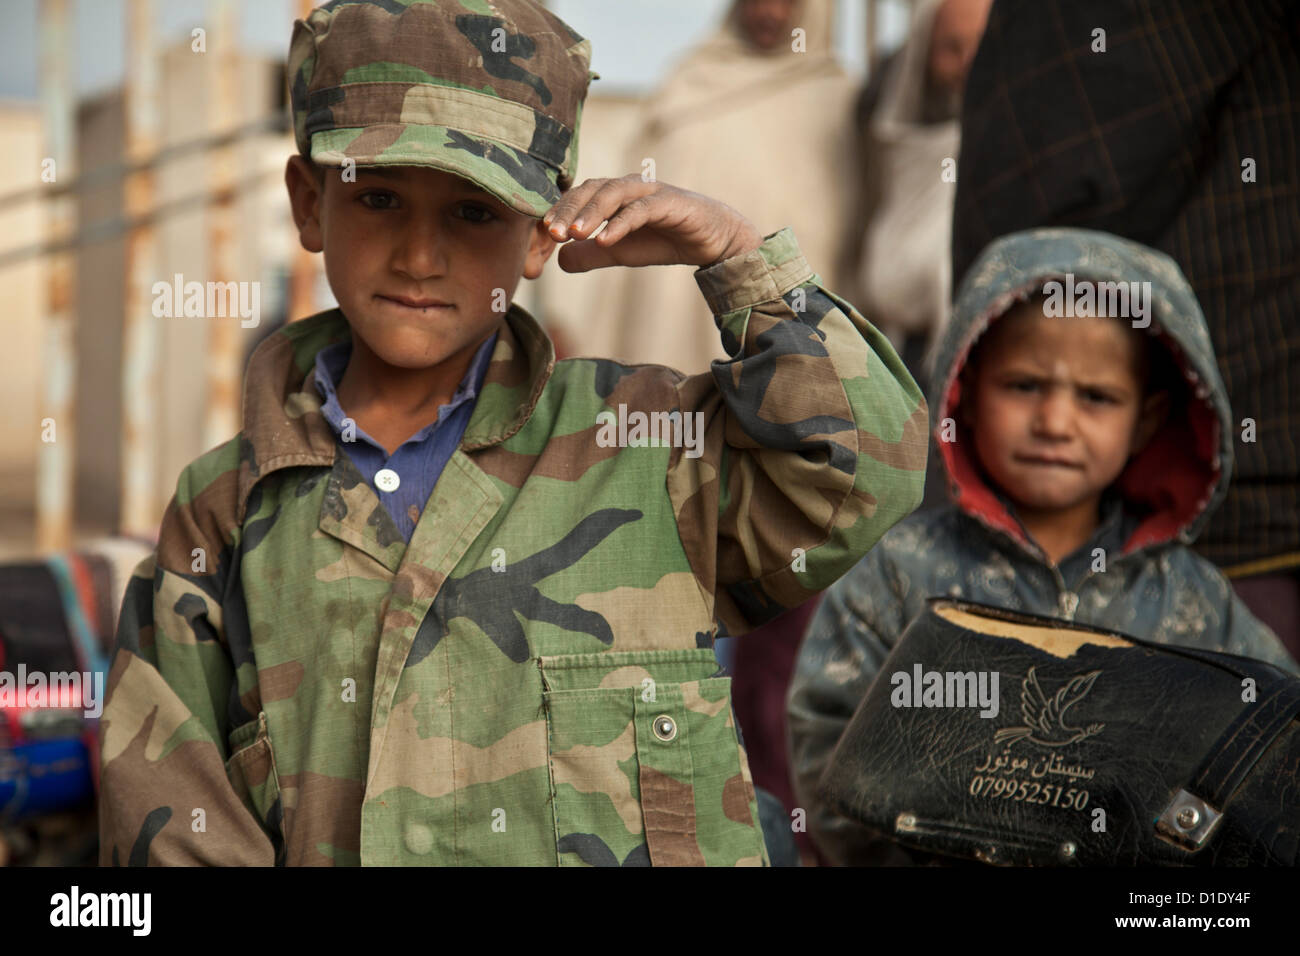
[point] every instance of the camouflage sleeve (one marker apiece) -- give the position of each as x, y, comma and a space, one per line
814, 438
856, 626
167, 778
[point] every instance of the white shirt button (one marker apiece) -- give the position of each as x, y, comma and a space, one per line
1069, 604
386, 479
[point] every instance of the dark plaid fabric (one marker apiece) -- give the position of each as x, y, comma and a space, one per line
1148, 140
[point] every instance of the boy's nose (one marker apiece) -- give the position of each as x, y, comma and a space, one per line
419, 251
1055, 414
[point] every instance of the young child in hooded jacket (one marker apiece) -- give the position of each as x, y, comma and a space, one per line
1084, 451
445, 599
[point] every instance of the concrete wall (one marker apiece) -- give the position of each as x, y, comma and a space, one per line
183, 237
22, 302
100, 288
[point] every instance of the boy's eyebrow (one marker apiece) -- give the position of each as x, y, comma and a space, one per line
1024, 371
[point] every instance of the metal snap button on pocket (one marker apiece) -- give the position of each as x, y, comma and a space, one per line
665, 727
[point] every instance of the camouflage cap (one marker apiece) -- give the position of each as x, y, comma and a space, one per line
490, 90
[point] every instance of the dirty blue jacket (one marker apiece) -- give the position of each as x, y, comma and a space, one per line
1145, 582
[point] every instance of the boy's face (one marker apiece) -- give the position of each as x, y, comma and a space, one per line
1058, 407
415, 256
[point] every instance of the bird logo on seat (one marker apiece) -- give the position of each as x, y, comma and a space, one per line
1045, 718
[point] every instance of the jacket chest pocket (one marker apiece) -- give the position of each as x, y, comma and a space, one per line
252, 774
645, 765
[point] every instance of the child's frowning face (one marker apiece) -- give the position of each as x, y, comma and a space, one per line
1057, 406
415, 257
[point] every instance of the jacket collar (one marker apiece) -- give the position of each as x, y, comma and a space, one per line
283, 424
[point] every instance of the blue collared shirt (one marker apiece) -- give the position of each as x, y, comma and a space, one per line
419, 461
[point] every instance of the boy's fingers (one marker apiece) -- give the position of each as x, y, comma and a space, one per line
560, 215
591, 207
564, 211
631, 217
606, 201
590, 215
583, 255
641, 249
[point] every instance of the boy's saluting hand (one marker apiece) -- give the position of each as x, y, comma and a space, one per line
650, 223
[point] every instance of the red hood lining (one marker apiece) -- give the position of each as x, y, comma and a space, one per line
1174, 477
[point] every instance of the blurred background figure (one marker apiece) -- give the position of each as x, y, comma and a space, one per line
907, 125
749, 85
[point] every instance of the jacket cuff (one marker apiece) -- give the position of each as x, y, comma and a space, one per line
760, 275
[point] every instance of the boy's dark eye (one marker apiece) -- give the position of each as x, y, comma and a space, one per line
477, 213
1100, 398
379, 199
1023, 385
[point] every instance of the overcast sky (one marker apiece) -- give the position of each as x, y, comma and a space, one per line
632, 40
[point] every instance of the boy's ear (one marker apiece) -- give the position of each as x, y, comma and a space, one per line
540, 247
1151, 417
305, 195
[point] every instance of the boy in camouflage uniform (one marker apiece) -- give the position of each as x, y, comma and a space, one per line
514, 664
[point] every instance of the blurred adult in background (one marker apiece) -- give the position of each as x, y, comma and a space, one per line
1176, 125
896, 250
749, 84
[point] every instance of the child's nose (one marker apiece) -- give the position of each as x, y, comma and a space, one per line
1055, 413
419, 249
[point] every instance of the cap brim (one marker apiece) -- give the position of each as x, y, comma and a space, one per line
525, 184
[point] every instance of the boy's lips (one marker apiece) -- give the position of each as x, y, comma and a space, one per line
1047, 461
411, 303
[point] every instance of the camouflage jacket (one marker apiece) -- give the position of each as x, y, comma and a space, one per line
1149, 583
531, 679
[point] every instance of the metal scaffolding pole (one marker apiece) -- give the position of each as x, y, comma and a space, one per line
54, 468
223, 411
140, 334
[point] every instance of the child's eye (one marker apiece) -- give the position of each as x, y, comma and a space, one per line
379, 199
1023, 385
1099, 398
477, 213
